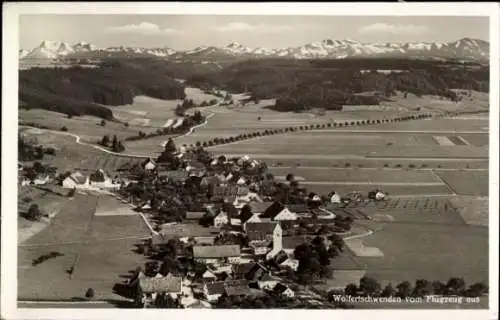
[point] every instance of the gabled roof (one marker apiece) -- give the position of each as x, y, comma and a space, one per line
273, 210
164, 284
280, 288
257, 231
177, 175
293, 241
222, 251
243, 268
298, 208
216, 288
194, 215
259, 207
78, 178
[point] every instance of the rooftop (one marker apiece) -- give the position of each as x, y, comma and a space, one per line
222, 251
164, 284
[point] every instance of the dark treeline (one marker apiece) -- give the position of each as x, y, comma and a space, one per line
80, 91
329, 84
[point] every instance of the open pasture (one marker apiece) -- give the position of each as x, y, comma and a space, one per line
72, 156
327, 162
473, 210
393, 190
433, 210
354, 175
100, 248
87, 127
155, 111
467, 183
430, 251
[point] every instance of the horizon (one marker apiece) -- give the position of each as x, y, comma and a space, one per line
184, 32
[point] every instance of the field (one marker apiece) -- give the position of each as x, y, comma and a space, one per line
466, 182
72, 156
425, 238
100, 248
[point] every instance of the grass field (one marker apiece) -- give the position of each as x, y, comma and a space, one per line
72, 156
100, 249
392, 190
357, 175
466, 182
473, 210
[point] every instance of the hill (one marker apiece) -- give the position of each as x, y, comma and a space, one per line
87, 91
299, 84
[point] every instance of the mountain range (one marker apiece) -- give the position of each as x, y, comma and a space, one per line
465, 48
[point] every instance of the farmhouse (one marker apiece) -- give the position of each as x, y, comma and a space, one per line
221, 219
286, 215
148, 164
214, 254
284, 290
148, 288
267, 282
291, 263
194, 215
213, 290
209, 275
290, 243
75, 180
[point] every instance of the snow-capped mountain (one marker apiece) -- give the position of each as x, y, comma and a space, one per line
465, 48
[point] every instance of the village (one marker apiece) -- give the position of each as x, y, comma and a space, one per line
224, 232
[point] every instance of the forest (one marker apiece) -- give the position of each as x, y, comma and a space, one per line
329, 84
87, 91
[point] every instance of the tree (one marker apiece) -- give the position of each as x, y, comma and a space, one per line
114, 144
245, 213
369, 286
290, 177
105, 140
388, 291
64, 129
103, 123
71, 192
90, 293
351, 290
477, 289
170, 146
422, 288
404, 289
455, 286
34, 212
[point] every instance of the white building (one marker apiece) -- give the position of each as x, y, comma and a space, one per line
285, 214
221, 219
76, 180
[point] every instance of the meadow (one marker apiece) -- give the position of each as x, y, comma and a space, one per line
98, 248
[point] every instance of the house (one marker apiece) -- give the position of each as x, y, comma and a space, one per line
209, 275
285, 215
238, 288
213, 290
221, 219
76, 180
291, 263
290, 243
243, 270
241, 181
194, 215
284, 290
255, 218
148, 164
214, 254
205, 240
41, 180
99, 179
301, 209
267, 282
259, 207
173, 175
335, 198
148, 288
272, 211
258, 231
262, 234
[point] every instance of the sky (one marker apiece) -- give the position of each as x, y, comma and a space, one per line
182, 32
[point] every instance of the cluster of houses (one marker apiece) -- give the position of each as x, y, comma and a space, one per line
236, 209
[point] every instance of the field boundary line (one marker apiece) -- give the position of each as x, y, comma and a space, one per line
446, 183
